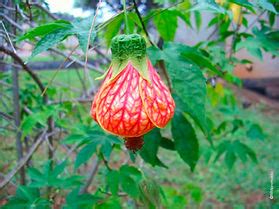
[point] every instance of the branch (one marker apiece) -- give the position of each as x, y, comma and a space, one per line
8, 117
12, 22
24, 160
77, 61
44, 9
24, 66
91, 175
256, 20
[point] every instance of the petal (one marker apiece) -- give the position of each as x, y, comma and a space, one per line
93, 106
119, 108
157, 100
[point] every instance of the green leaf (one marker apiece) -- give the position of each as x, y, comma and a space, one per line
255, 132
244, 3
26, 198
51, 39
51, 177
113, 181
75, 200
96, 142
129, 186
189, 85
129, 180
166, 24
167, 143
45, 29
150, 148
74, 138
198, 19
185, 140
262, 39
81, 28
208, 5
265, 4
230, 159
113, 28
256, 52
85, 154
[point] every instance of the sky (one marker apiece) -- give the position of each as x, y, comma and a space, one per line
66, 6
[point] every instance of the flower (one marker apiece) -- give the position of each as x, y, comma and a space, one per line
132, 99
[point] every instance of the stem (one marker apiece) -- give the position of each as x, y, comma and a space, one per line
126, 17
142, 23
16, 104
92, 173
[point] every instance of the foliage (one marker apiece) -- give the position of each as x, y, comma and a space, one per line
208, 126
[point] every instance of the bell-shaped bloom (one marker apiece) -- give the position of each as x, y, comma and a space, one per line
132, 99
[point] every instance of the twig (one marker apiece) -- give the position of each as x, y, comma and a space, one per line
38, 5
23, 160
13, 23
91, 175
8, 36
30, 11
86, 73
256, 20
102, 54
6, 116
56, 72
82, 64
6, 7
142, 23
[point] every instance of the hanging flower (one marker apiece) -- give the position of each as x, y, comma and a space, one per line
133, 99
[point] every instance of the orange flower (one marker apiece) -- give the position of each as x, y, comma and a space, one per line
132, 99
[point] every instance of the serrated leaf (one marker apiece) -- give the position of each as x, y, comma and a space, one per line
81, 28
45, 29
166, 24
50, 40
85, 154
185, 140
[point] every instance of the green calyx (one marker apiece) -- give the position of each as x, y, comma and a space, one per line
124, 47
129, 48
